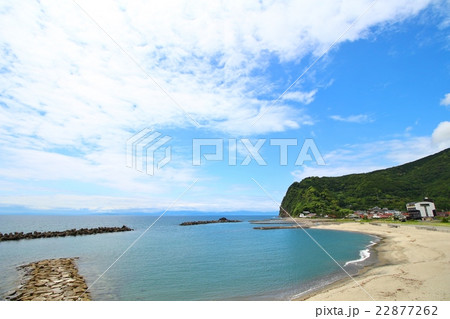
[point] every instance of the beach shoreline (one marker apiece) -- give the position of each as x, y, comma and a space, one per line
408, 263
359, 268
411, 265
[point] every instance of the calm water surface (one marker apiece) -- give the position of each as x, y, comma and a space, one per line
171, 262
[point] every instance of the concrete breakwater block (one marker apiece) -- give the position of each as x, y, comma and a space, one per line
202, 222
281, 227
51, 280
69, 232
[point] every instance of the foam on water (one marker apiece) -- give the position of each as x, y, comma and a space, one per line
363, 255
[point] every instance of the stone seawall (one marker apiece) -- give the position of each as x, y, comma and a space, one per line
281, 227
203, 222
51, 280
69, 232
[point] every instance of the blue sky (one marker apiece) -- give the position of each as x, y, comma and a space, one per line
78, 79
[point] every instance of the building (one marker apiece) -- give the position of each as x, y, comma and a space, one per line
382, 215
424, 209
443, 214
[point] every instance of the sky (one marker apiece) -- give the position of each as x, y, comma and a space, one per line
346, 86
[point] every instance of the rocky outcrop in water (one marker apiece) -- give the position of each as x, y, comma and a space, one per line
70, 232
201, 222
51, 280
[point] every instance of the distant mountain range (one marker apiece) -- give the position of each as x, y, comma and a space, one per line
391, 188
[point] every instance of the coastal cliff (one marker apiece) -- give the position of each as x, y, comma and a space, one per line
392, 187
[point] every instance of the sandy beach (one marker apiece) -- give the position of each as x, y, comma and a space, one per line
413, 264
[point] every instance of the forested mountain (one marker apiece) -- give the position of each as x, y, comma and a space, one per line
392, 188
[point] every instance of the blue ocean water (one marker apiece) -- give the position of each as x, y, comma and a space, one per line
230, 261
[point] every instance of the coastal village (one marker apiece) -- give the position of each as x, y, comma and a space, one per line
423, 210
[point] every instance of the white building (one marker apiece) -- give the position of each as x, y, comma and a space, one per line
421, 209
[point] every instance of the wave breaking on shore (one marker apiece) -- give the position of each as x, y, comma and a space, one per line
352, 267
363, 255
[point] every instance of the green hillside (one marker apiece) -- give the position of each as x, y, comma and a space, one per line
392, 188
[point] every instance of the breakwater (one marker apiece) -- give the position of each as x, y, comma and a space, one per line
51, 280
202, 222
69, 232
281, 227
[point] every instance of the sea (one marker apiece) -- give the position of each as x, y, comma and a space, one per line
161, 260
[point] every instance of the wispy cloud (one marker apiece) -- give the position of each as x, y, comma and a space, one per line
446, 100
360, 118
302, 97
60, 64
70, 99
137, 203
363, 158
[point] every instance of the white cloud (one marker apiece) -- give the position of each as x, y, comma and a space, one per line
60, 63
302, 97
363, 158
145, 204
446, 100
360, 118
441, 135
103, 169
70, 98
